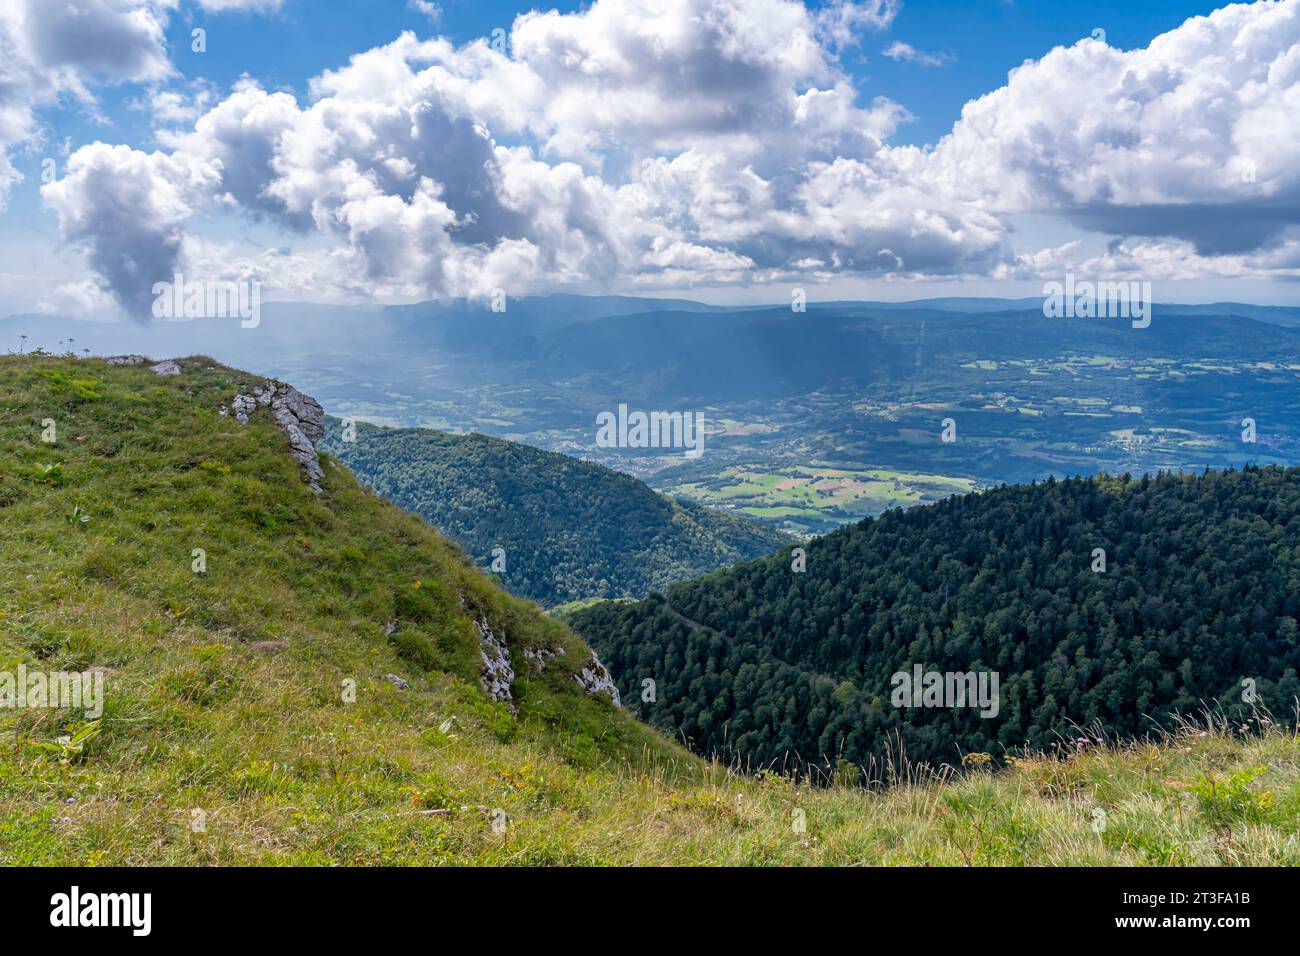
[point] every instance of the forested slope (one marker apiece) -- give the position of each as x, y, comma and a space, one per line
570, 529
1200, 592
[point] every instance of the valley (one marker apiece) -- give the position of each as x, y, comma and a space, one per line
823, 418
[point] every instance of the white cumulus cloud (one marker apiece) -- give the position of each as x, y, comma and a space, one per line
659, 143
1192, 137
53, 48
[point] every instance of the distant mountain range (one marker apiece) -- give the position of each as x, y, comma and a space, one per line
1275, 314
459, 324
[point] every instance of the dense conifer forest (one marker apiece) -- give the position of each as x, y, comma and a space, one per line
1197, 604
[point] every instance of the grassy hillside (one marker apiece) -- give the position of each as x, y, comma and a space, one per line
1197, 601
223, 689
570, 529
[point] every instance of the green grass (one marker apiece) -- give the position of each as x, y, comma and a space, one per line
224, 691
572, 607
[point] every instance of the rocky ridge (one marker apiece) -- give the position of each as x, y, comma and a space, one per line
300, 416
303, 421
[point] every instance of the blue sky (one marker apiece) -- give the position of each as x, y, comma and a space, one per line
1012, 200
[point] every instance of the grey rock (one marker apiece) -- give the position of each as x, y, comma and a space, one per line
310, 416
165, 367
498, 674
301, 448
595, 679
300, 416
539, 657
396, 681
243, 406
126, 360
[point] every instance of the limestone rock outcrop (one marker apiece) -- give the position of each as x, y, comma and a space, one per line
300, 416
595, 679
498, 673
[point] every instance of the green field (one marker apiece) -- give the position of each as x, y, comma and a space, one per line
816, 498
